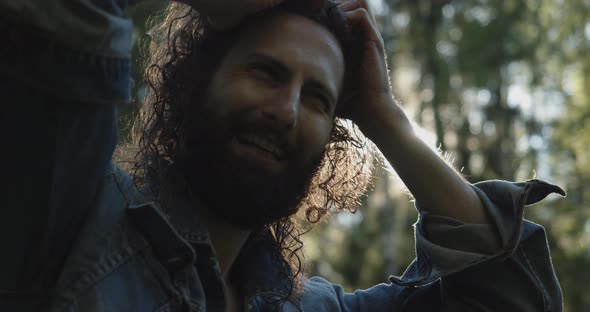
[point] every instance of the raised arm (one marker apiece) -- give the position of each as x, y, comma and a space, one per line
473, 248
383, 121
60, 80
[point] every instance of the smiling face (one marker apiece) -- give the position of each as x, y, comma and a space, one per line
267, 118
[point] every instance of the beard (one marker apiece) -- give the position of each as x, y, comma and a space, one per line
234, 190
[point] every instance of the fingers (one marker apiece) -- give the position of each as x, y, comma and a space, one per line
361, 17
360, 20
247, 7
350, 5
224, 14
373, 63
259, 5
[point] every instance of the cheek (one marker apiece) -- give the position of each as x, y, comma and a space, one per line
233, 92
316, 130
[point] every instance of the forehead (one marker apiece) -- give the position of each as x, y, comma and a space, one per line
295, 40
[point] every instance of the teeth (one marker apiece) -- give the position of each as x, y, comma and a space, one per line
263, 144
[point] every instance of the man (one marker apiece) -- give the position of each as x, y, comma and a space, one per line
239, 133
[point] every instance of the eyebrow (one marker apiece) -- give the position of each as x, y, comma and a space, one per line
277, 65
286, 72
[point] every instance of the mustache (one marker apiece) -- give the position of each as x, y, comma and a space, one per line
250, 124
206, 128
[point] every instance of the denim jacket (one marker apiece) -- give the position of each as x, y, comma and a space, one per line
77, 236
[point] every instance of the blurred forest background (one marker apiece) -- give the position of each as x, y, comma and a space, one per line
504, 87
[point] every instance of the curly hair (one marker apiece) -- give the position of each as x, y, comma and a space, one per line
184, 52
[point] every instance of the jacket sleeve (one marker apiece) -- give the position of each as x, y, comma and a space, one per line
96, 26
59, 125
503, 266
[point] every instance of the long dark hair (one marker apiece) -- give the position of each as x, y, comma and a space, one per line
184, 52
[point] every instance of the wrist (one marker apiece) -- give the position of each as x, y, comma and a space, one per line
386, 127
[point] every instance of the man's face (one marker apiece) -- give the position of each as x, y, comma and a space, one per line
267, 118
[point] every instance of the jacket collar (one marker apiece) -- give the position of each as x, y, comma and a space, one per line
179, 229
261, 272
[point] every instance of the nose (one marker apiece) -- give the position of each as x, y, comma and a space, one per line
282, 111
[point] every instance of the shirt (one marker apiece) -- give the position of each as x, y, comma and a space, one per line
77, 236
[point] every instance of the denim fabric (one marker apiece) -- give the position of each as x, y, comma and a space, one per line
95, 26
133, 257
77, 236
59, 126
73, 76
504, 266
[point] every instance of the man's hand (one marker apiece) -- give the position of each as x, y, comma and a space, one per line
372, 102
224, 14
437, 187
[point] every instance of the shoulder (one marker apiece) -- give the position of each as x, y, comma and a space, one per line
105, 243
119, 191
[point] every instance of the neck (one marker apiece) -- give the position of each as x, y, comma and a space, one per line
227, 241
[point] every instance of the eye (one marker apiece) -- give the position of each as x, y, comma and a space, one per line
319, 100
263, 71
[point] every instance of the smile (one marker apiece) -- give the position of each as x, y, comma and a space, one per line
264, 144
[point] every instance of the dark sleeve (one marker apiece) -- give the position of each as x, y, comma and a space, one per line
58, 125
503, 266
